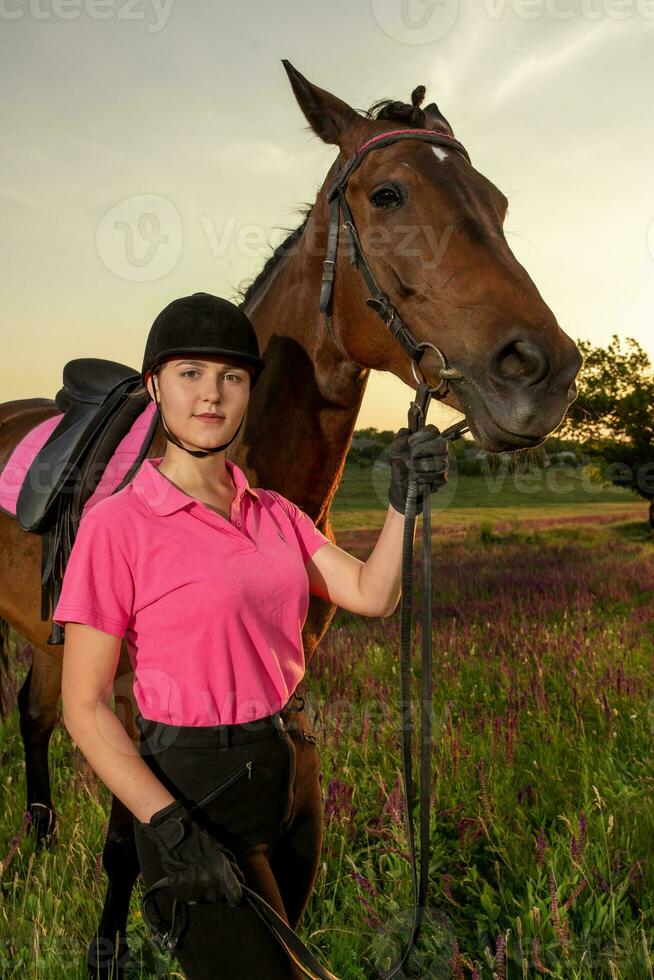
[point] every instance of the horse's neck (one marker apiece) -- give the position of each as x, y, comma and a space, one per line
304, 407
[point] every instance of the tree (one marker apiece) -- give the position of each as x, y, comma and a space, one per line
614, 414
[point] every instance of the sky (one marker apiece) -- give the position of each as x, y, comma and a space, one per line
154, 148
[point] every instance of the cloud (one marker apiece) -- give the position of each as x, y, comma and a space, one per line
18, 197
531, 70
259, 156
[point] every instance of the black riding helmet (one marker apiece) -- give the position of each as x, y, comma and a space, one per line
201, 324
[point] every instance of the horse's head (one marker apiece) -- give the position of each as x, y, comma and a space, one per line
431, 227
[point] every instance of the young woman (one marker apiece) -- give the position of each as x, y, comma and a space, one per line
208, 580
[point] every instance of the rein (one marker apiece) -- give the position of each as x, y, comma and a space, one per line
167, 935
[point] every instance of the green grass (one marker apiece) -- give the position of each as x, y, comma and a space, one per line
543, 719
542, 824
504, 487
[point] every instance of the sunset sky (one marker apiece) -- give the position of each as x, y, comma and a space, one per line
183, 109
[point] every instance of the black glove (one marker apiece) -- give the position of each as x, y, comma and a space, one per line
419, 456
199, 869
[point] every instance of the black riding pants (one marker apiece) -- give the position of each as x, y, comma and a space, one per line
268, 813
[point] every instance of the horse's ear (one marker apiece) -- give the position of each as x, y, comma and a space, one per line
436, 120
328, 116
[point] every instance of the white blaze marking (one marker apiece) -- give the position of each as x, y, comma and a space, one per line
440, 152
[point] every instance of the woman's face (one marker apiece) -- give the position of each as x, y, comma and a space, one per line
188, 389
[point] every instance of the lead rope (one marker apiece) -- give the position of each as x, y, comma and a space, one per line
416, 420
168, 935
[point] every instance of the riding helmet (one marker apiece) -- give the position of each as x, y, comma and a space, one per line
201, 324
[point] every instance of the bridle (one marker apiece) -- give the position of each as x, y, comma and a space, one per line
379, 300
168, 935
381, 303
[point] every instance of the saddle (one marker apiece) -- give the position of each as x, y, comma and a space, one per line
98, 414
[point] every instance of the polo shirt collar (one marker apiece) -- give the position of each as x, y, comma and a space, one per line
163, 497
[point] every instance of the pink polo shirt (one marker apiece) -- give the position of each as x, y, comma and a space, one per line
211, 610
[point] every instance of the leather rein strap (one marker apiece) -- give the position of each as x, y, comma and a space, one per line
379, 299
168, 935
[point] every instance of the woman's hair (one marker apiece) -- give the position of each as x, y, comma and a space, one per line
142, 389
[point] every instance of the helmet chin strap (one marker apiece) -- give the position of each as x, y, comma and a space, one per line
171, 437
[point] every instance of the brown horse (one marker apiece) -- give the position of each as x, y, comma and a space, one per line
432, 228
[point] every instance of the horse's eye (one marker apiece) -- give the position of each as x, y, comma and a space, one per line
386, 197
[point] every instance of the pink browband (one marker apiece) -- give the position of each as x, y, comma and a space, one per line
395, 132
391, 136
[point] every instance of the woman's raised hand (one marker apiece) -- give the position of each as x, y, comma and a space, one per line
419, 456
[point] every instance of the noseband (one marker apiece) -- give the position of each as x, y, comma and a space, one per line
379, 300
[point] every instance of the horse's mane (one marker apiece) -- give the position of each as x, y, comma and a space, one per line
249, 292
402, 112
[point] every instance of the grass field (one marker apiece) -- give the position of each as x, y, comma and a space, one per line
542, 823
506, 494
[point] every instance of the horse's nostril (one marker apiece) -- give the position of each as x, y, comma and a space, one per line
521, 361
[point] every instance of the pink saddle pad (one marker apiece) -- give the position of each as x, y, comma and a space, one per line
13, 475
